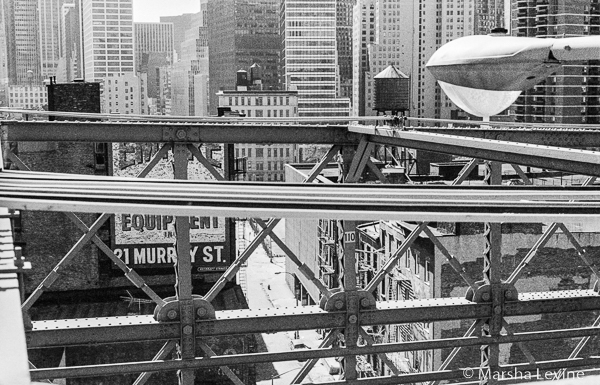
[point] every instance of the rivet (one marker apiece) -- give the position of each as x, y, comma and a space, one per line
187, 330
171, 314
181, 134
485, 296
339, 305
497, 310
352, 319
365, 302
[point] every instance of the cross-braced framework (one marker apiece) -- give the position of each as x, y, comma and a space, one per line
184, 323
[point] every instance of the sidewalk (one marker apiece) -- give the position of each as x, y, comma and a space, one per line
267, 290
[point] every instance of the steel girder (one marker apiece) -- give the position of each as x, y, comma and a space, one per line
554, 158
143, 328
75, 332
150, 132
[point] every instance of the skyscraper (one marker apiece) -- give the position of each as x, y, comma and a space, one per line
153, 49
107, 38
309, 56
70, 65
22, 41
344, 46
152, 38
241, 33
363, 34
572, 94
49, 14
181, 24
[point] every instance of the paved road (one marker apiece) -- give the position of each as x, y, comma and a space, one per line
267, 289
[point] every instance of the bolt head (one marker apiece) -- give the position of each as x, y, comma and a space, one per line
508, 294
187, 330
485, 296
171, 314
352, 319
202, 312
365, 302
497, 310
181, 134
339, 305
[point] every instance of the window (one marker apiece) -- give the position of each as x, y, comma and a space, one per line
259, 153
249, 152
268, 152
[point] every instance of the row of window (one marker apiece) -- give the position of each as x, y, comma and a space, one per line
260, 152
270, 177
258, 100
268, 114
271, 166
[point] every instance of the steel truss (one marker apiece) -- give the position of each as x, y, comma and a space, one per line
186, 321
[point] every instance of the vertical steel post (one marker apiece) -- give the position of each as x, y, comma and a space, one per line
184, 274
350, 287
491, 276
347, 249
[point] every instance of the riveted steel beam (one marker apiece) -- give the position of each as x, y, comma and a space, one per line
554, 158
144, 132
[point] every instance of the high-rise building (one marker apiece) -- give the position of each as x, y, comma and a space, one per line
153, 49
107, 38
22, 41
309, 56
344, 17
152, 38
181, 24
70, 64
363, 34
572, 94
49, 15
242, 33
189, 85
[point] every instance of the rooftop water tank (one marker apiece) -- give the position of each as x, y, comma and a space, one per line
392, 90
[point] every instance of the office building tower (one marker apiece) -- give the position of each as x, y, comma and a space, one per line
181, 24
344, 15
572, 94
107, 38
49, 15
241, 33
70, 64
189, 84
309, 56
22, 41
153, 49
152, 38
363, 34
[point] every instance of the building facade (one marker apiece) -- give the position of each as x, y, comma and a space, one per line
363, 34
572, 94
263, 163
241, 33
107, 38
309, 58
49, 17
152, 38
32, 97
344, 16
70, 64
22, 41
153, 49
125, 94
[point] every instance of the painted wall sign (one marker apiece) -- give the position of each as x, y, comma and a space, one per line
149, 241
